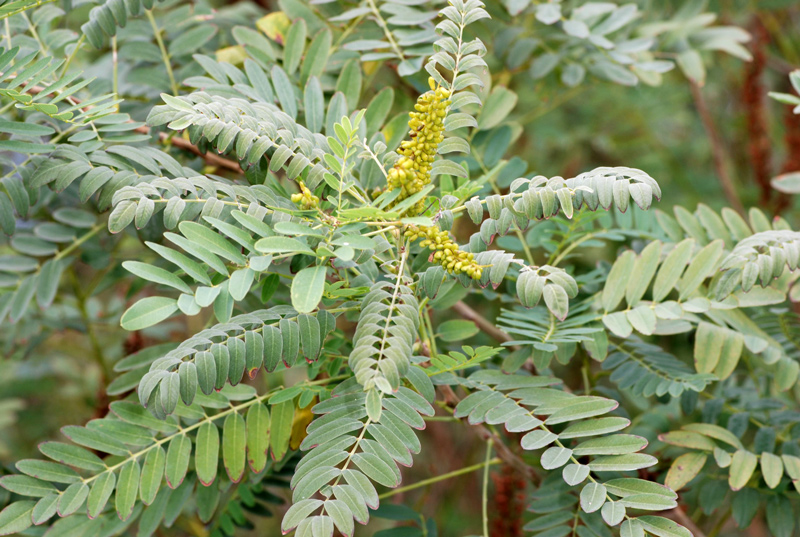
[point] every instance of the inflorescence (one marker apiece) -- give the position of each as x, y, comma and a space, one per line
446, 251
305, 198
412, 172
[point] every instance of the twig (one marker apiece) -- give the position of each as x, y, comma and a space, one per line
443, 477
679, 516
503, 452
485, 495
466, 312
177, 141
717, 149
164, 54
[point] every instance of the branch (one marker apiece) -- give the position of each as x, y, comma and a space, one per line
466, 312
502, 450
177, 141
717, 149
679, 516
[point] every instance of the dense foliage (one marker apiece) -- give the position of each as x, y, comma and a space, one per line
352, 197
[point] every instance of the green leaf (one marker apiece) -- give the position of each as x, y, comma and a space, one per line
575, 474
631, 528
307, 288
663, 527
613, 513
671, 269
317, 55
622, 463
298, 512
497, 107
771, 469
190, 267
617, 444
716, 432
178, 454
791, 465
341, 515
349, 83
378, 108
16, 517
72, 499
101, 491
156, 275
691, 63
212, 241
94, 439
192, 40
585, 408
375, 468
643, 319
147, 312
45, 509
122, 215
788, 183
688, 439
742, 467
234, 444
618, 280
555, 457
135, 414
644, 268
556, 300
457, 330
206, 456
284, 90
152, 474
258, 433
594, 427
49, 471
593, 496
295, 45
780, 516
48, 281
702, 265
281, 428
127, 489
314, 103
282, 245
27, 486
648, 502
628, 486
537, 439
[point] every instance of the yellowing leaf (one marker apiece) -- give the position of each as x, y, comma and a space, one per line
275, 25
235, 55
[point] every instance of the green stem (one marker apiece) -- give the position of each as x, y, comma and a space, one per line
80, 240
163, 49
72, 54
517, 230
438, 478
485, 496
25, 8
115, 74
720, 523
222, 414
97, 349
385, 28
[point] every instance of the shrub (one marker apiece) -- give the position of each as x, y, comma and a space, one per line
285, 208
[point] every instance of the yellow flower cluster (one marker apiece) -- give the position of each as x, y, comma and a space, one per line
412, 171
446, 253
305, 198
